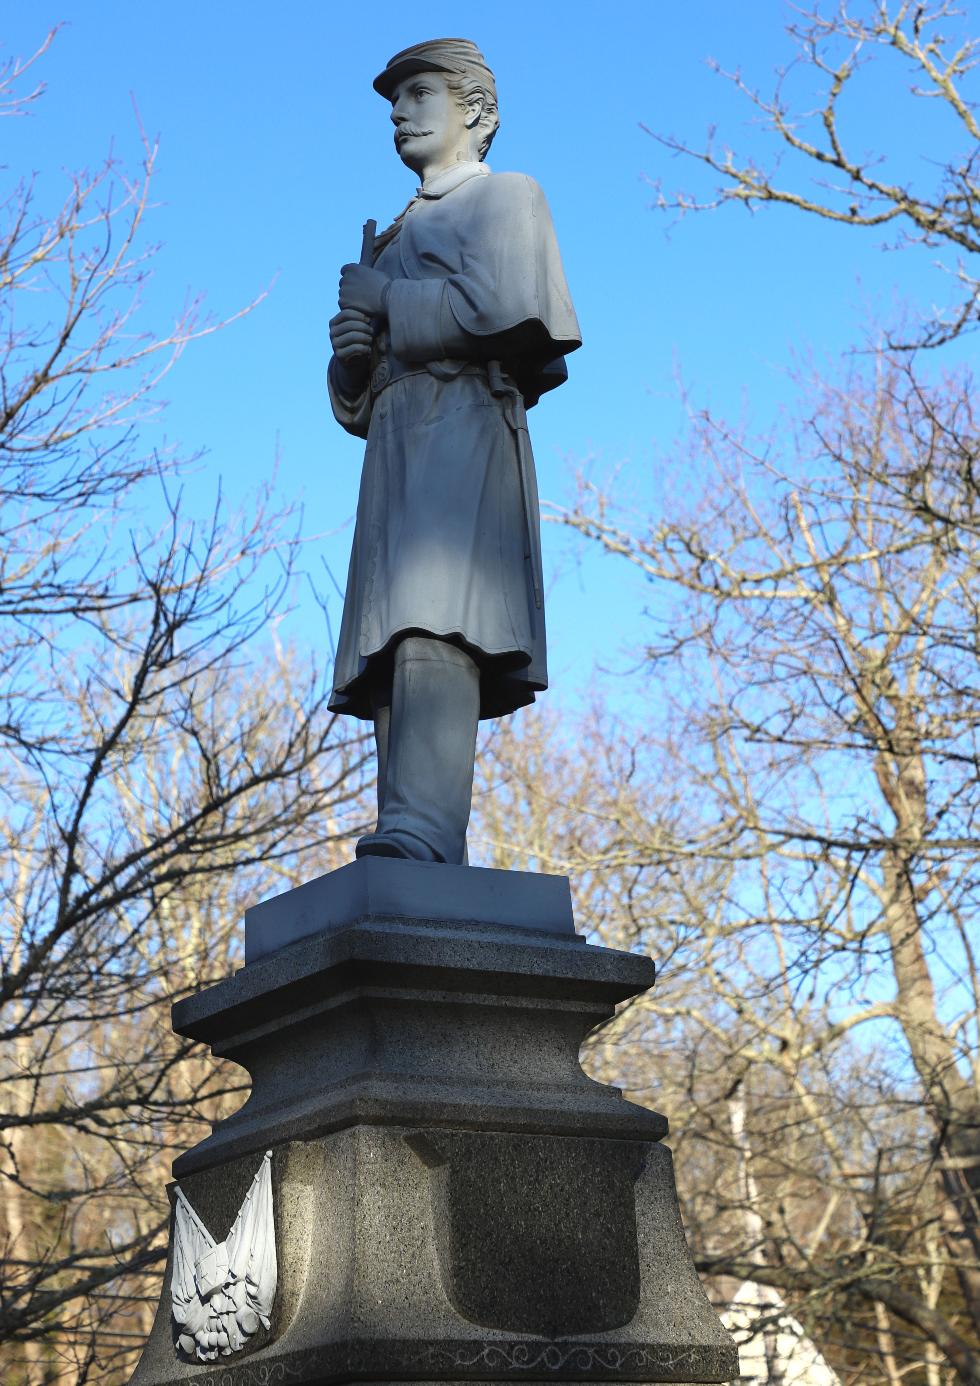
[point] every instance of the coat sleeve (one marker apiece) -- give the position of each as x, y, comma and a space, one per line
352, 412
505, 296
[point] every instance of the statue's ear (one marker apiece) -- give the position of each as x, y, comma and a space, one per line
474, 111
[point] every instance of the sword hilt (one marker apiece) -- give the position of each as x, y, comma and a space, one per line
367, 242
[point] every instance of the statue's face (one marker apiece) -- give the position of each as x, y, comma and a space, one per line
431, 129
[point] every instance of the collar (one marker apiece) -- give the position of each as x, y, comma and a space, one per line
451, 178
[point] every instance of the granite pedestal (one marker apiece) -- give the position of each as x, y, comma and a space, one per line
454, 1200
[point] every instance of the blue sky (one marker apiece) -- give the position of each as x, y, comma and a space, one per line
274, 149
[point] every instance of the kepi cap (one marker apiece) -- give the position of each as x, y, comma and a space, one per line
454, 55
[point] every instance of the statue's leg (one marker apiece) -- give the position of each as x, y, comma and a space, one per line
381, 710
431, 744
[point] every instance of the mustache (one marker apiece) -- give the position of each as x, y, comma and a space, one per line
405, 132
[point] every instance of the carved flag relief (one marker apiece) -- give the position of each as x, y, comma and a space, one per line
222, 1291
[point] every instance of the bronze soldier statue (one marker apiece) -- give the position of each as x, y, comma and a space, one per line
454, 324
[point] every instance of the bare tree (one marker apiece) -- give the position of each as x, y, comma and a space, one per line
821, 165
817, 684
158, 766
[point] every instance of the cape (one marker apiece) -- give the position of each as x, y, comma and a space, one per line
483, 258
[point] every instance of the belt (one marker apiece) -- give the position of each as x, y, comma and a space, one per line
389, 369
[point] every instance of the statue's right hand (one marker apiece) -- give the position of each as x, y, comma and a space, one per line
351, 336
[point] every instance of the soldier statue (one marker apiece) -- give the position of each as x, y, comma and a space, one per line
453, 324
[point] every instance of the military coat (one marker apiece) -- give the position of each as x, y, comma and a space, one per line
447, 538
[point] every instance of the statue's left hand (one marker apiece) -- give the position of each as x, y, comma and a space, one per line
363, 288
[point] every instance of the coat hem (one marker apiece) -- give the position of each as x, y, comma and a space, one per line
506, 682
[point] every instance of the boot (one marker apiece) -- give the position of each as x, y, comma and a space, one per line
426, 749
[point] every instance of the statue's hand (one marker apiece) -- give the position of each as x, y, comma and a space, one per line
351, 335
365, 289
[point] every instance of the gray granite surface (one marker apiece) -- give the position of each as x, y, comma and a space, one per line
375, 1285
454, 1199
417, 1022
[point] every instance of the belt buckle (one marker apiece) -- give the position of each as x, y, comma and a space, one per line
380, 377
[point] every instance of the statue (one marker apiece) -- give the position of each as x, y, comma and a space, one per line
444, 1194
453, 324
